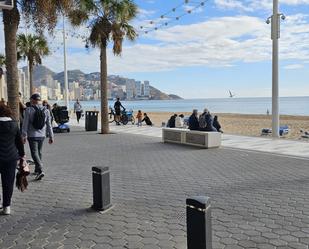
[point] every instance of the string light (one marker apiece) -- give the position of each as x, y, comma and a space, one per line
156, 25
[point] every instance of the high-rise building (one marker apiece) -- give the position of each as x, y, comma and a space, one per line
146, 88
130, 86
43, 90
23, 87
138, 88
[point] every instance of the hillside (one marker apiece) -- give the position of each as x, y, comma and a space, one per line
42, 72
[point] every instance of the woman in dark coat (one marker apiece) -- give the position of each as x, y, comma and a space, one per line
11, 150
193, 121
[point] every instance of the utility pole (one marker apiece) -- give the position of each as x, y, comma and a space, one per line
66, 84
275, 36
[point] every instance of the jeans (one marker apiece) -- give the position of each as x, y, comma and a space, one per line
78, 116
36, 153
7, 171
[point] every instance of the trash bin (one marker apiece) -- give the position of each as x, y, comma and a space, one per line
92, 120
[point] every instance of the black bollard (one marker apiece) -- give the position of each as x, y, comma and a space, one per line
101, 188
199, 234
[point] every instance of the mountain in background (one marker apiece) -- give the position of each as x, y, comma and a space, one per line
40, 73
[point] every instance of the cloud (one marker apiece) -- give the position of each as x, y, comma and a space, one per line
294, 66
253, 5
217, 42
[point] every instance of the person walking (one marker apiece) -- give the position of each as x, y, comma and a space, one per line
49, 108
11, 150
78, 110
36, 126
139, 118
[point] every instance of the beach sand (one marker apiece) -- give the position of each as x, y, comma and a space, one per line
249, 125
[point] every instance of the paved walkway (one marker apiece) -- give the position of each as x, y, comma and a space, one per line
259, 200
262, 144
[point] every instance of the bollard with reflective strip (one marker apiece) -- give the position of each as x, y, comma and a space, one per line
101, 188
199, 233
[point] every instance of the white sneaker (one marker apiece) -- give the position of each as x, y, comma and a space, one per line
6, 211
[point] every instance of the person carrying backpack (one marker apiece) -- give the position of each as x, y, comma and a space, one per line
36, 125
206, 121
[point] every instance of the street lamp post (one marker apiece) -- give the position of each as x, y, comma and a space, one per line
275, 36
66, 85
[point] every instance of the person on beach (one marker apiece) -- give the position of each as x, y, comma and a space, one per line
172, 121
117, 107
193, 121
147, 120
78, 109
35, 127
139, 118
206, 121
11, 150
179, 121
217, 125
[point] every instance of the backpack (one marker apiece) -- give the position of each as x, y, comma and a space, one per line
202, 121
39, 118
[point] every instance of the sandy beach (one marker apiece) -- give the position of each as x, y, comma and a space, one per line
249, 125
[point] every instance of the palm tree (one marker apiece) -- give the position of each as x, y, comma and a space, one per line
2, 60
43, 15
108, 20
32, 48
11, 21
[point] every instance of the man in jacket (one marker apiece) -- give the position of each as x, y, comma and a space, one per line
34, 135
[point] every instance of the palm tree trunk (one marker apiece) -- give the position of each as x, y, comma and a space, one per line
11, 21
104, 100
30, 64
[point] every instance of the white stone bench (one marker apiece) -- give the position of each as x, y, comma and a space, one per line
201, 139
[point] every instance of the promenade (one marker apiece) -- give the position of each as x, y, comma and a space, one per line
259, 200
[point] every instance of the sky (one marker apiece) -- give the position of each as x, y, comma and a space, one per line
221, 46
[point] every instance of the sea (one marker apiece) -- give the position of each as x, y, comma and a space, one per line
288, 105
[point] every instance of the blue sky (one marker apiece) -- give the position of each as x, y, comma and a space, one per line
224, 45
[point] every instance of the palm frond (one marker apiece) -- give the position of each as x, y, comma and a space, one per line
32, 48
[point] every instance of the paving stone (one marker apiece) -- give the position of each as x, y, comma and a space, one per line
259, 200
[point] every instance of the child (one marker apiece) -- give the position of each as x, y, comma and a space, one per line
139, 118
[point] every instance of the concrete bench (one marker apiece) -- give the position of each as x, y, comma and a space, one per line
201, 139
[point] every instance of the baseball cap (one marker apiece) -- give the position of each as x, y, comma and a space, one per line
35, 96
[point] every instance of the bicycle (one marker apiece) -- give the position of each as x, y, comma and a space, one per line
123, 117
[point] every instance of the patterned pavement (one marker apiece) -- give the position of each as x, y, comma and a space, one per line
259, 200
281, 146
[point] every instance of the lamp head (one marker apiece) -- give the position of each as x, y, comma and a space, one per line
268, 21
283, 17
